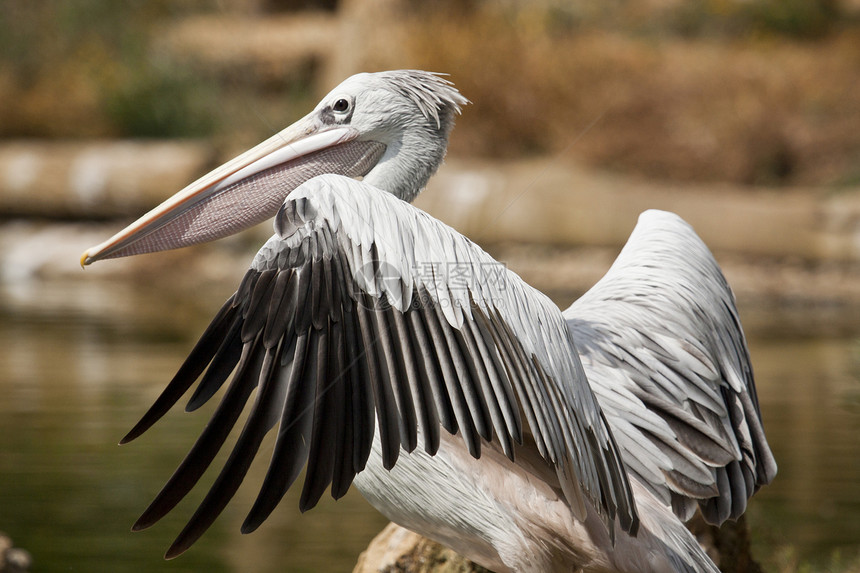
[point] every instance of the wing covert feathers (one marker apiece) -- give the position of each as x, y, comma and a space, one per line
666, 356
363, 312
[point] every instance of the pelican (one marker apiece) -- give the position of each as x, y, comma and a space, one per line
391, 352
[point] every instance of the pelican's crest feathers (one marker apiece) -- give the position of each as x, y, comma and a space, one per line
434, 95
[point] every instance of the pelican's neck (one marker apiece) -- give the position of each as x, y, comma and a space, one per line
410, 159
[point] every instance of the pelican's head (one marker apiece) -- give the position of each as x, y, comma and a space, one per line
410, 112
389, 127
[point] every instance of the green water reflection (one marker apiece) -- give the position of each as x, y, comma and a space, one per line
80, 364
72, 382
810, 396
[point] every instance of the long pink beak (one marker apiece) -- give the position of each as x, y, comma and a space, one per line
245, 191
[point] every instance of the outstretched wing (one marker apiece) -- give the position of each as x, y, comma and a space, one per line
664, 352
362, 307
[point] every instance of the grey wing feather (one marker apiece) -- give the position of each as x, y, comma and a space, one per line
362, 307
664, 351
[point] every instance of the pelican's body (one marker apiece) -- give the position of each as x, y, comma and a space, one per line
575, 440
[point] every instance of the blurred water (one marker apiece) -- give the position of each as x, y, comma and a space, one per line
81, 362
809, 390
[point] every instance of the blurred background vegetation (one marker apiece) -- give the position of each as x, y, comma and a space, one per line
742, 91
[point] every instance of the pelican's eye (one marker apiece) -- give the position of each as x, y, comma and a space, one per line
341, 105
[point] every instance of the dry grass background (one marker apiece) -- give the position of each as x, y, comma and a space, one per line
756, 92
751, 109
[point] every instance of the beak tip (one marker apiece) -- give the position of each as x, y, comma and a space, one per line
86, 259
